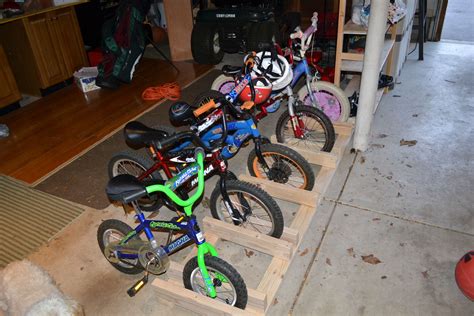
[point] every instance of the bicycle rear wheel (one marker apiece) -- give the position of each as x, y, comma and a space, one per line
317, 131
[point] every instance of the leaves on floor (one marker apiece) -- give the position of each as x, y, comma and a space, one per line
328, 262
351, 253
376, 219
425, 274
362, 159
249, 253
382, 135
304, 252
408, 143
371, 259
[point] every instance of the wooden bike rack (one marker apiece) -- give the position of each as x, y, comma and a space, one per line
283, 250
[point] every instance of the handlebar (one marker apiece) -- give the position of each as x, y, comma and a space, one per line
182, 177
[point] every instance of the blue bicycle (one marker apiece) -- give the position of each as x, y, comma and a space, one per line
127, 252
274, 162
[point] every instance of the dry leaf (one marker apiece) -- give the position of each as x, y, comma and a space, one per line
275, 301
304, 252
362, 159
371, 259
382, 135
328, 261
376, 219
408, 143
383, 277
248, 253
425, 274
350, 251
205, 202
415, 115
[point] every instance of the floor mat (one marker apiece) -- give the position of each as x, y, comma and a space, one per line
83, 181
29, 218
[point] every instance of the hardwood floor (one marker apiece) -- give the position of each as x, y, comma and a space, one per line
54, 130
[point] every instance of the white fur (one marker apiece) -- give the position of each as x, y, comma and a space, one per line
26, 289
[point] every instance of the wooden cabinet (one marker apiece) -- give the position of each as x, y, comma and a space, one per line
44, 49
8, 90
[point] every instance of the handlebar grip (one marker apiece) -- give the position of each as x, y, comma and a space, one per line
250, 60
247, 105
206, 107
297, 34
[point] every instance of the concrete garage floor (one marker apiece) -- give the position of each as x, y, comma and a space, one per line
410, 207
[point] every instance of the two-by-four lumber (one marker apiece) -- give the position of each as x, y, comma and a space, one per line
323, 179
314, 157
282, 191
248, 238
273, 277
340, 144
302, 219
193, 301
343, 128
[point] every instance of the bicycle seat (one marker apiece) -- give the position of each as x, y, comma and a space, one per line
139, 135
125, 188
229, 70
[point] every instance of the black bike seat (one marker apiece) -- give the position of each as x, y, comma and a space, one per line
139, 135
125, 188
229, 70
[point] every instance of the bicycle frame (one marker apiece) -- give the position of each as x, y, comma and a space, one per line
186, 223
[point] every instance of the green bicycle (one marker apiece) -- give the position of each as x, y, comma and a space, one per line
122, 246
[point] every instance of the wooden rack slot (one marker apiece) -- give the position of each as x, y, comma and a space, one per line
282, 250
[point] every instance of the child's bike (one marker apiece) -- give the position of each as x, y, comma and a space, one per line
324, 95
232, 200
127, 252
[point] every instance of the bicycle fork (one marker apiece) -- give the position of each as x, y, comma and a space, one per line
296, 123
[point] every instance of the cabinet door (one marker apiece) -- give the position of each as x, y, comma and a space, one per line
8, 90
51, 68
69, 38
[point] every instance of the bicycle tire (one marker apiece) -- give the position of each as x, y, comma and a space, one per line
191, 270
280, 170
327, 97
137, 165
224, 84
250, 193
320, 138
123, 229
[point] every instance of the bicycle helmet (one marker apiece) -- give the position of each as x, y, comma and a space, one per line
263, 89
275, 68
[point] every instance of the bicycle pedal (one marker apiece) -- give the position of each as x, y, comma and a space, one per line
138, 286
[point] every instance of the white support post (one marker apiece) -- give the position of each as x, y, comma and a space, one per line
370, 72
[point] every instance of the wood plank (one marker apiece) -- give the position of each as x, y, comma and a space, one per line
193, 301
282, 191
352, 56
273, 277
56, 129
340, 144
303, 219
323, 179
314, 157
179, 17
343, 128
248, 238
291, 235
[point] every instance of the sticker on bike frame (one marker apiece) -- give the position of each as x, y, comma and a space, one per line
208, 170
211, 119
181, 178
178, 242
164, 225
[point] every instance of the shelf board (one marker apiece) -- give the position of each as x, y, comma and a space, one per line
354, 29
356, 66
350, 28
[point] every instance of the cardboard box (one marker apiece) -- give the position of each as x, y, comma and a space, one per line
85, 78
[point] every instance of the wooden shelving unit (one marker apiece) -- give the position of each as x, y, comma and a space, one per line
354, 62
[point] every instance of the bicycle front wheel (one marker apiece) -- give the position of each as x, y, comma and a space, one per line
229, 285
264, 214
315, 128
284, 166
224, 84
